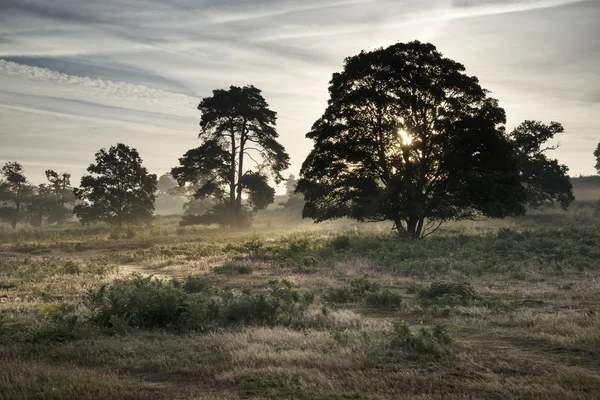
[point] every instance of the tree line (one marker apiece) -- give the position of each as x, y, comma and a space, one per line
407, 137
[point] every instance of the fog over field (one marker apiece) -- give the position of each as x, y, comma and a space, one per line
76, 76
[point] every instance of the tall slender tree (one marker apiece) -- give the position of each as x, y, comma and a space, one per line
14, 192
236, 125
61, 192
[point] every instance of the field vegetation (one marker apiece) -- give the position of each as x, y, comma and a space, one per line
291, 310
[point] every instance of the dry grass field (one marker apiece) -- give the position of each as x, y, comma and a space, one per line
481, 310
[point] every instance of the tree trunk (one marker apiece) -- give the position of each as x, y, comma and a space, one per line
15, 219
232, 208
238, 202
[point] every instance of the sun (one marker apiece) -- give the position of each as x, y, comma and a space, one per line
405, 136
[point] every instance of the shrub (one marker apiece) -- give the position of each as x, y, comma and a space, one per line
432, 343
357, 289
193, 304
145, 302
233, 269
384, 299
448, 294
365, 291
341, 243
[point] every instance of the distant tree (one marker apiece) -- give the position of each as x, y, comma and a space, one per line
409, 137
61, 192
295, 201
290, 185
236, 125
169, 198
119, 190
545, 180
41, 205
14, 193
597, 155
166, 183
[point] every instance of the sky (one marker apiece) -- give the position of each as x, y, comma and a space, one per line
77, 76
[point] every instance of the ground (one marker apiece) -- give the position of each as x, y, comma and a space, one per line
481, 310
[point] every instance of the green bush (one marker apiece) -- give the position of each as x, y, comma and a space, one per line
364, 291
233, 269
341, 243
144, 302
428, 343
383, 299
193, 304
448, 294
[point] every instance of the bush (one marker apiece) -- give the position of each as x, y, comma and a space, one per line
432, 343
448, 294
365, 291
144, 302
341, 243
384, 299
193, 304
233, 269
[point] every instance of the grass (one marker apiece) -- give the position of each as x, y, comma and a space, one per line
483, 310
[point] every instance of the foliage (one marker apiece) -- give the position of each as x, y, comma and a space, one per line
15, 190
545, 180
295, 201
409, 137
363, 290
597, 156
434, 343
120, 190
61, 195
193, 304
237, 125
448, 293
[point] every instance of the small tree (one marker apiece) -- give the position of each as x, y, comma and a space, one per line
409, 137
119, 190
295, 201
236, 125
62, 196
15, 190
41, 205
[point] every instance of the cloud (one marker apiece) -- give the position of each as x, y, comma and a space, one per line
134, 70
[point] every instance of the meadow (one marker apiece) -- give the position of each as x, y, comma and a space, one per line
292, 310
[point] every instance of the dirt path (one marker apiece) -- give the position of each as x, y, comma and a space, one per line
130, 269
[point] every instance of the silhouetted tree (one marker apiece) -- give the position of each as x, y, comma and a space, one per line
169, 197
597, 155
41, 205
61, 193
409, 137
120, 190
165, 183
236, 124
545, 180
295, 201
14, 192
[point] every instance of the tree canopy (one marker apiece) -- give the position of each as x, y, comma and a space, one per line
15, 191
597, 155
545, 180
236, 125
407, 136
118, 190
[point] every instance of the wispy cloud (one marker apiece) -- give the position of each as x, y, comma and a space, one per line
95, 72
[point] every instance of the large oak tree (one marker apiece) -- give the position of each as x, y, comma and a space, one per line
409, 137
237, 128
